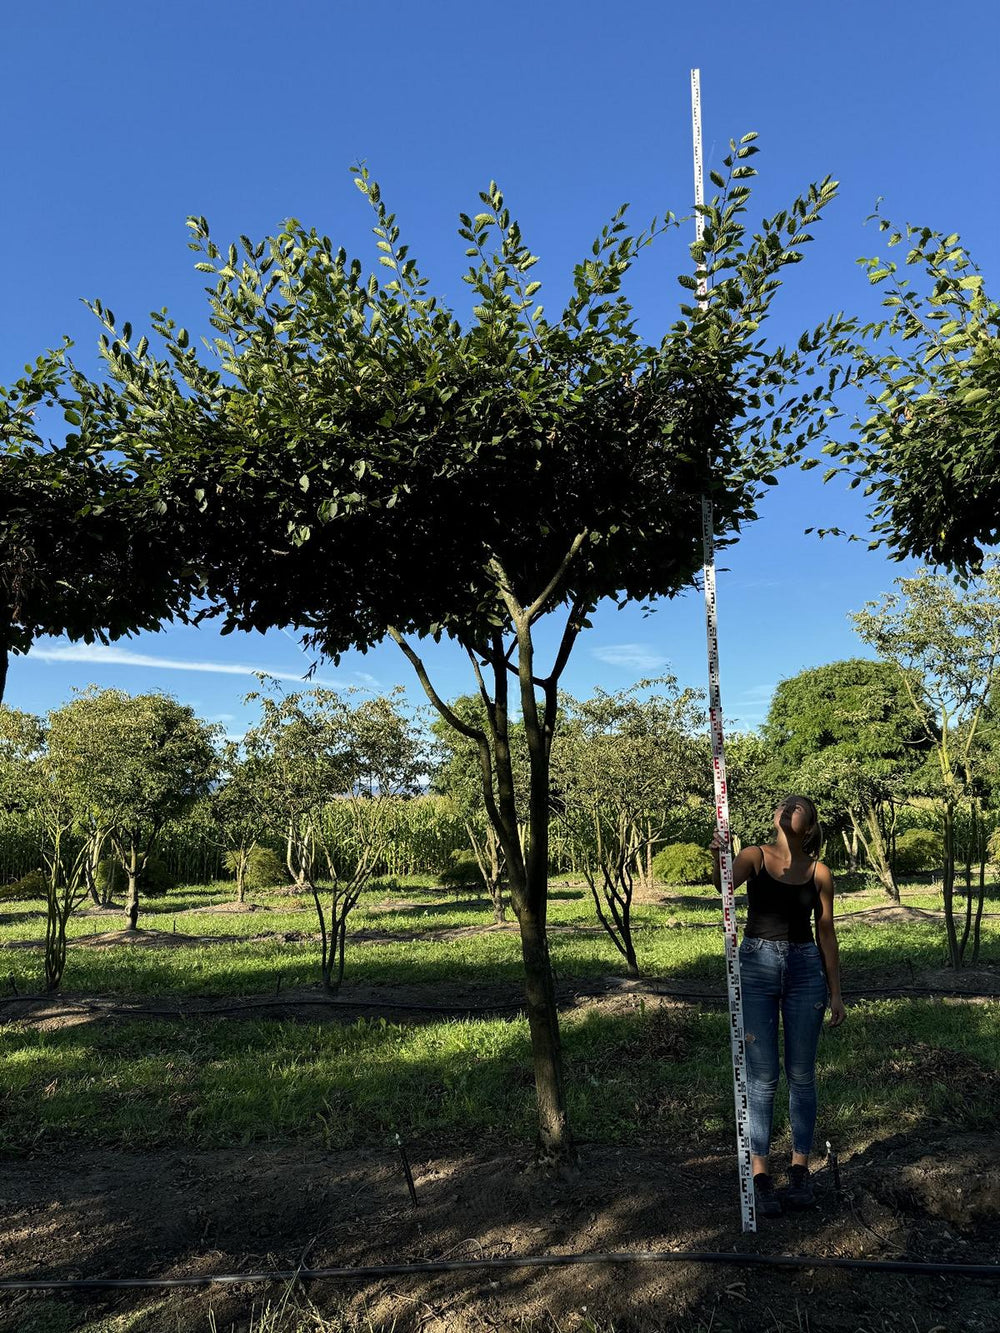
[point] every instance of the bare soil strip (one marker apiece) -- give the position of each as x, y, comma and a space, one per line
931, 1196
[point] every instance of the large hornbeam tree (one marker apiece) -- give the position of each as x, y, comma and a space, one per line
928, 452
84, 550
355, 460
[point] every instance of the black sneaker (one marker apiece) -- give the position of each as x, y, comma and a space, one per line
798, 1192
766, 1199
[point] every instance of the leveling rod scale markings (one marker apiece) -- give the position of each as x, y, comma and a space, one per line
729, 923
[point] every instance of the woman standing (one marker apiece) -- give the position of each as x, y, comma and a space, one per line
784, 971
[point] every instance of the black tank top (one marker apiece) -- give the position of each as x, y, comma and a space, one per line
779, 911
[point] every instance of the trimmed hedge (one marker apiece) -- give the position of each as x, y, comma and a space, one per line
683, 863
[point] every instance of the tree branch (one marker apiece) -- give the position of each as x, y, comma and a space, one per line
473, 733
538, 605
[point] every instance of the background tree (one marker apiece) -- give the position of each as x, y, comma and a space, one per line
929, 453
236, 812
131, 764
751, 797
360, 464
946, 648
29, 785
845, 733
459, 775
327, 776
622, 765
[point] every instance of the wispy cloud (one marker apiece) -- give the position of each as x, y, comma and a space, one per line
629, 655
756, 694
112, 655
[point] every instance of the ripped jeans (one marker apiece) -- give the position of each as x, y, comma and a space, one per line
779, 976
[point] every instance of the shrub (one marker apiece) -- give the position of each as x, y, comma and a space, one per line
154, 881
683, 863
993, 848
32, 885
265, 869
111, 878
463, 871
919, 849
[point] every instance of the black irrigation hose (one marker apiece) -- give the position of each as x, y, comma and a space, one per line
522, 1261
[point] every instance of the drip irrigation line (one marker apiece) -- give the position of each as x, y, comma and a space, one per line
376, 1271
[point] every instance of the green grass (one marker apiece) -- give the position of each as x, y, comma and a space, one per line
250, 964
146, 1084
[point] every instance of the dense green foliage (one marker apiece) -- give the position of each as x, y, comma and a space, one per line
929, 453
919, 849
683, 863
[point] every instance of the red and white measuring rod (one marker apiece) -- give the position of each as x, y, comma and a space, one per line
736, 1035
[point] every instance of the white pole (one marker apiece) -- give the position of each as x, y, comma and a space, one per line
736, 1035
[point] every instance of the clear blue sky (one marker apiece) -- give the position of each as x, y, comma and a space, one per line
118, 120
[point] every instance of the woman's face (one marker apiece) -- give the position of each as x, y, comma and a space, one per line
794, 816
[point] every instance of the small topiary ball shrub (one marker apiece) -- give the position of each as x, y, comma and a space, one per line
919, 849
265, 869
154, 880
32, 885
683, 863
111, 878
463, 871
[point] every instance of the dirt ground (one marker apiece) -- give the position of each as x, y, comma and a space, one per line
176, 1213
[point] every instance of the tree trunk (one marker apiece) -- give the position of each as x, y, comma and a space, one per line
979, 912
241, 877
948, 886
289, 861
555, 1149
851, 847
132, 897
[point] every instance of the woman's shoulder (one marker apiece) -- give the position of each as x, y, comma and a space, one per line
823, 876
753, 854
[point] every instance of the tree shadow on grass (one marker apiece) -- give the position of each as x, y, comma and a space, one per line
214, 1152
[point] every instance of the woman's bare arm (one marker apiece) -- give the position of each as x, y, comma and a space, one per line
826, 938
749, 859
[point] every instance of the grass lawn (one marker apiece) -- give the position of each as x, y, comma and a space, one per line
219, 1082
896, 1063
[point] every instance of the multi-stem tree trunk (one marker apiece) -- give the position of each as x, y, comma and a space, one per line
489, 859
132, 895
619, 853
526, 851
948, 885
872, 840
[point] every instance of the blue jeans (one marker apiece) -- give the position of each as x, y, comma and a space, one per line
788, 978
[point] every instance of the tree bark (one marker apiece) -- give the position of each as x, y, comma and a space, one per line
979, 912
555, 1149
948, 886
132, 897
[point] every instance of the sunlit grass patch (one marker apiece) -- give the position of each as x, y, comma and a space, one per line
152, 1083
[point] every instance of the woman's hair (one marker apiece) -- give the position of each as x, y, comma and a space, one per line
813, 840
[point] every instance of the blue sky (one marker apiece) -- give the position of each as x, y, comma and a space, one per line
118, 120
